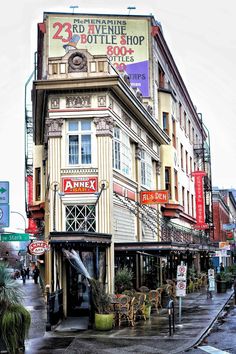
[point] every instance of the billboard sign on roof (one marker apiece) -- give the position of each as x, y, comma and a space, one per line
123, 39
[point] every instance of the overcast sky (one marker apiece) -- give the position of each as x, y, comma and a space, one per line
201, 37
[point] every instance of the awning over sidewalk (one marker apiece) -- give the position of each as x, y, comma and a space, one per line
79, 237
161, 246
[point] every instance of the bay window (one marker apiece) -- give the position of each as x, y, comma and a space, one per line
146, 169
121, 152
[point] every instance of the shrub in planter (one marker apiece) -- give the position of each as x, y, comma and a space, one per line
102, 304
14, 318
123, 280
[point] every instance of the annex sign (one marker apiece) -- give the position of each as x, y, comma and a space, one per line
83, 184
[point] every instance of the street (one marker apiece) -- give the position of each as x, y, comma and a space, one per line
222, 338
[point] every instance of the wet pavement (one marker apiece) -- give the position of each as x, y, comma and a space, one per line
151, 336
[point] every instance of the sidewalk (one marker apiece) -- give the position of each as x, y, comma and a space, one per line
152, 336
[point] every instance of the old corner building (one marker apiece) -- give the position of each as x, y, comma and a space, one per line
112, 119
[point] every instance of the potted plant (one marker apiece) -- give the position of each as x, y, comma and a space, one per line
102, 305
123, 280
14, 318
221, 282
148, 307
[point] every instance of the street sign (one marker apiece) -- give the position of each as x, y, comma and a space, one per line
181, 280
4, 192
4, 215
14, 237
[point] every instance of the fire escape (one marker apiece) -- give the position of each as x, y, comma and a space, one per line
203, 154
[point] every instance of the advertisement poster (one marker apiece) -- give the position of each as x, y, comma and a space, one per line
125, 43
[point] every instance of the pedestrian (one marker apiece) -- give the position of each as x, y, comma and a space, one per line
222, 268
23, 275
36, 274
27, 272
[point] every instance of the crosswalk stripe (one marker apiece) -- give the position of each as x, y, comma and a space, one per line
212, 350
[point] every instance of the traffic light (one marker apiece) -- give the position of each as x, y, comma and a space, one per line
7, 253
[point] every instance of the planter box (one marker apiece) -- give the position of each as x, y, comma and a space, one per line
221, 286
147, 311
104, 322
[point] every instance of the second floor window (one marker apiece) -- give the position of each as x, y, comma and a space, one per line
121, 152
146, 169
79, 142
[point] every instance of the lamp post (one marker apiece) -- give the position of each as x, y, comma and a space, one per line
131, 8
22, 216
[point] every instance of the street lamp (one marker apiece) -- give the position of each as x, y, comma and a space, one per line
131, 8
73, 7
16, 212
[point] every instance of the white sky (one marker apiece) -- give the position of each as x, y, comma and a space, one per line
201, 36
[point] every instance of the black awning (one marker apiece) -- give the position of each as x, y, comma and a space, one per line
155, 246
82, 237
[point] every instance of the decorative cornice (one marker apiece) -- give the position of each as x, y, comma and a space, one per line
79, 171
104, 126
54, 127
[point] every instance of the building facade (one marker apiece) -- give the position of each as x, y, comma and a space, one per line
113, 121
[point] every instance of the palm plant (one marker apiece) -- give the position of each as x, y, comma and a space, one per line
14, 318
123, 279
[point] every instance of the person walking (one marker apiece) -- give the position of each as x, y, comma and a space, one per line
23, 275
36, 274
222, 268
27, 272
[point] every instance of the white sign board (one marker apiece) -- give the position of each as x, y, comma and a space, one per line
181, 280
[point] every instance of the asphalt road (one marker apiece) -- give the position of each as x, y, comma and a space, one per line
222, 337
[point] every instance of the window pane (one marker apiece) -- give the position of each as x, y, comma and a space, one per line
85, 125
80, 217
85, 149
73, 126
73, 149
